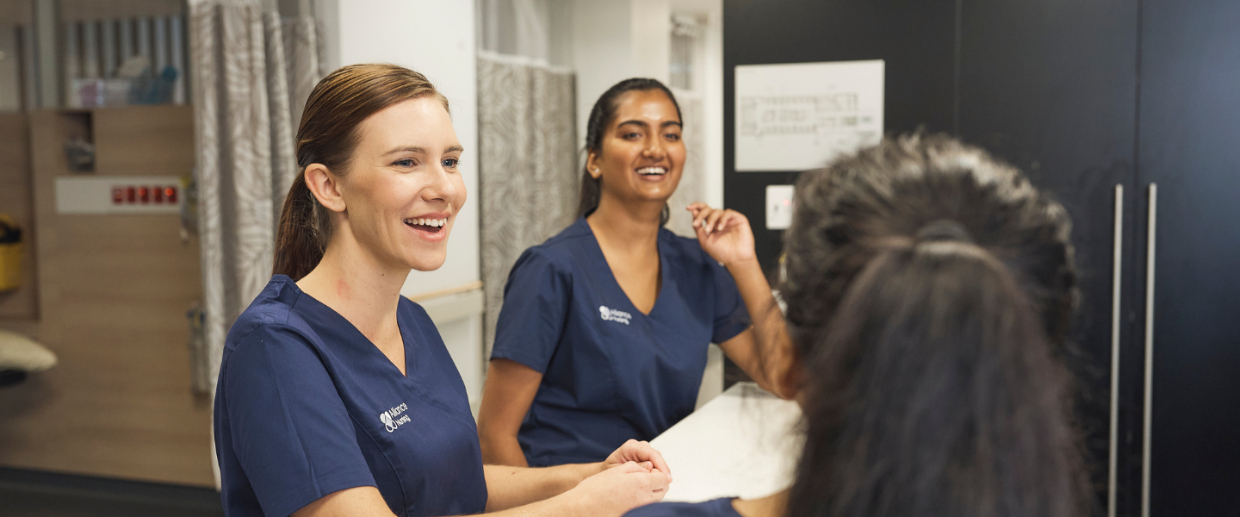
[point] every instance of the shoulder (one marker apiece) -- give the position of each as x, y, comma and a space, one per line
271, 324
559, 252
412, 313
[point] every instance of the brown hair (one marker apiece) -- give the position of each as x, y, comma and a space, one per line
930, 289
328, 135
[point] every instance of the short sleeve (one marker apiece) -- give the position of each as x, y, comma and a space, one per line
731, 317
535, 308
288, 427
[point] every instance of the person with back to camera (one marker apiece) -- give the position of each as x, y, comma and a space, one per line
929, 290
336, 395
604, 329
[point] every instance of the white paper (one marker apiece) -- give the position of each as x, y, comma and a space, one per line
794, 117
742, 443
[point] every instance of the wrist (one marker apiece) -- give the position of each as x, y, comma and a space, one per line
743, 265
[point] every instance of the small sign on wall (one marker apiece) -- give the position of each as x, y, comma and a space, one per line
794, 117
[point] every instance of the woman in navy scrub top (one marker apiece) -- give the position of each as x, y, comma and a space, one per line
604, 330
336, 395
929, 290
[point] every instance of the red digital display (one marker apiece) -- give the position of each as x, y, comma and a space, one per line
171, 194
144, 194
131, 194
118, 195
159, 194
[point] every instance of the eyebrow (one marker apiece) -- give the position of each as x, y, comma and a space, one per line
422, 150
643, 124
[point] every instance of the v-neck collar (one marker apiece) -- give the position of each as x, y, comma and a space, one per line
597, 248
357, 334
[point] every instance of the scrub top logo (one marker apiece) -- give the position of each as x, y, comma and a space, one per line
392, 419
614, 315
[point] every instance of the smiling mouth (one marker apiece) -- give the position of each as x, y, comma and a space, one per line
652, 171
427, 225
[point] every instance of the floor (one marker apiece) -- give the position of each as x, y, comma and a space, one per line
27, 493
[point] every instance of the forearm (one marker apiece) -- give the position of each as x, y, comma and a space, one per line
565, 505
773, 352
510, 487
502, 450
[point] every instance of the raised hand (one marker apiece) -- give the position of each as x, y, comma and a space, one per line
724, 234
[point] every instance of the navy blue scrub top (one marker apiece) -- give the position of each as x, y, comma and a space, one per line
610, 373
306, 406
713, 508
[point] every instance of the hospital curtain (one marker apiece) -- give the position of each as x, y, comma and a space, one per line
251, 73
527, 162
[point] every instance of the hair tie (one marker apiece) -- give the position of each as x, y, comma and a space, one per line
944, 230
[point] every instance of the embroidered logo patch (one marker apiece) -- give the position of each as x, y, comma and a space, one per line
393, 418
614, 315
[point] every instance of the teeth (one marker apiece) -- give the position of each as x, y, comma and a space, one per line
650, 171
437, 223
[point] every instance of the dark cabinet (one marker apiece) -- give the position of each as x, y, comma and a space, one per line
1129, 112
1189, 146
1052, 88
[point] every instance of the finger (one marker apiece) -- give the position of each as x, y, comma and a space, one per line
646, 465
658, 481
702, 215
730, 219
631, 467
660, 464
712, 220
696, 206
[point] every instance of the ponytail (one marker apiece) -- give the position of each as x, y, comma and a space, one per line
934, 391
303, 232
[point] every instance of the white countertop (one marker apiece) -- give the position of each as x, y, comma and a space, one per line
742, 443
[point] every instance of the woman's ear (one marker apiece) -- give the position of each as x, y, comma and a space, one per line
325, 187
592, 165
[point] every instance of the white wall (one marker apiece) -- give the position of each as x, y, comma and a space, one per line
435, 38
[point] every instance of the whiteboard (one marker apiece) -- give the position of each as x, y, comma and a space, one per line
793, 117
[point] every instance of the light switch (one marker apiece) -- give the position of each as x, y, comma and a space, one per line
778, 207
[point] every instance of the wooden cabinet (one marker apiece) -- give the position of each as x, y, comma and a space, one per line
113, 293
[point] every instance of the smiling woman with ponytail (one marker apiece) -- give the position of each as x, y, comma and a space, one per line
336, 395
929, 288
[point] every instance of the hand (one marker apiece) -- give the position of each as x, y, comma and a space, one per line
621, 488
641, 453
725, 235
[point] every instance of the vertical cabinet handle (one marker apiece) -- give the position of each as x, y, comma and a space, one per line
1118, 256
1151, 225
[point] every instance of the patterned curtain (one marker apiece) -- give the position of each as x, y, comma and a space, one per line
251, 75
528, 174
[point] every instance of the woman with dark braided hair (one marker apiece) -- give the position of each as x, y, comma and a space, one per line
604, 330
928, 290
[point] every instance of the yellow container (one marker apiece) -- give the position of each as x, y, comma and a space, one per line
10, 254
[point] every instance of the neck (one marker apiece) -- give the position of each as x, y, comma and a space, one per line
631, 223
773, 505
355, 284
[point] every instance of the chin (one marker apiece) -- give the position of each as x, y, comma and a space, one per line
427, 261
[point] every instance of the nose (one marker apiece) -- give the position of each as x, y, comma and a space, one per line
442, 187
654, 150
